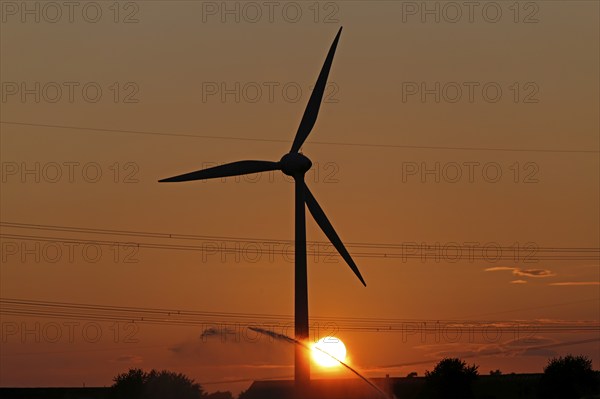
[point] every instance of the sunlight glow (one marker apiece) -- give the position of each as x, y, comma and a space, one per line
331, 345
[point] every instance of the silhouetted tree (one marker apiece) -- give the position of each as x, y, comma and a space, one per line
137, 384
495, 372
168, 385
219, 395
129, 385
451, 379
569, 377
412, 374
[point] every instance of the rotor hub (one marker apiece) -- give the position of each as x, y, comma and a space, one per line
294, 164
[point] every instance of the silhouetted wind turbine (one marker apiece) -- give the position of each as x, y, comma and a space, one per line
296, 165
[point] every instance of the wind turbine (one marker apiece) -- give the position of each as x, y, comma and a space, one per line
293, 164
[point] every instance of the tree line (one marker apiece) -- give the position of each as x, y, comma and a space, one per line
569, 377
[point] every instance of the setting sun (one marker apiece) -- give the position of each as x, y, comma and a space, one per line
327, 350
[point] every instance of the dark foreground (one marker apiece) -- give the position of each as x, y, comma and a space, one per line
510, 386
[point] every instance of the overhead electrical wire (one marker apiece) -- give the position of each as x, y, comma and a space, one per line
332, 143
228, 321
216, 244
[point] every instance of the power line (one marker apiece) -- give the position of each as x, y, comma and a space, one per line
331, 143
481, 354
250, 247
113, 348
229, 323
179, 236
249, 252
180, 311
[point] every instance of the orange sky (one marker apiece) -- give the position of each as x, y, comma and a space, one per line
168, 65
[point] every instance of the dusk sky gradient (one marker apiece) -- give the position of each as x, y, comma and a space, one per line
178, 52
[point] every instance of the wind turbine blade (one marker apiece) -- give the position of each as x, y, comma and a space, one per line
325, 225
312, 108
230, 169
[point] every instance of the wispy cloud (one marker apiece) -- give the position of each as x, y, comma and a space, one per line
517, 271
223, 346
215, 332
533, 273
576, 283
131, 359
539, 346
499, 269
530, 346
